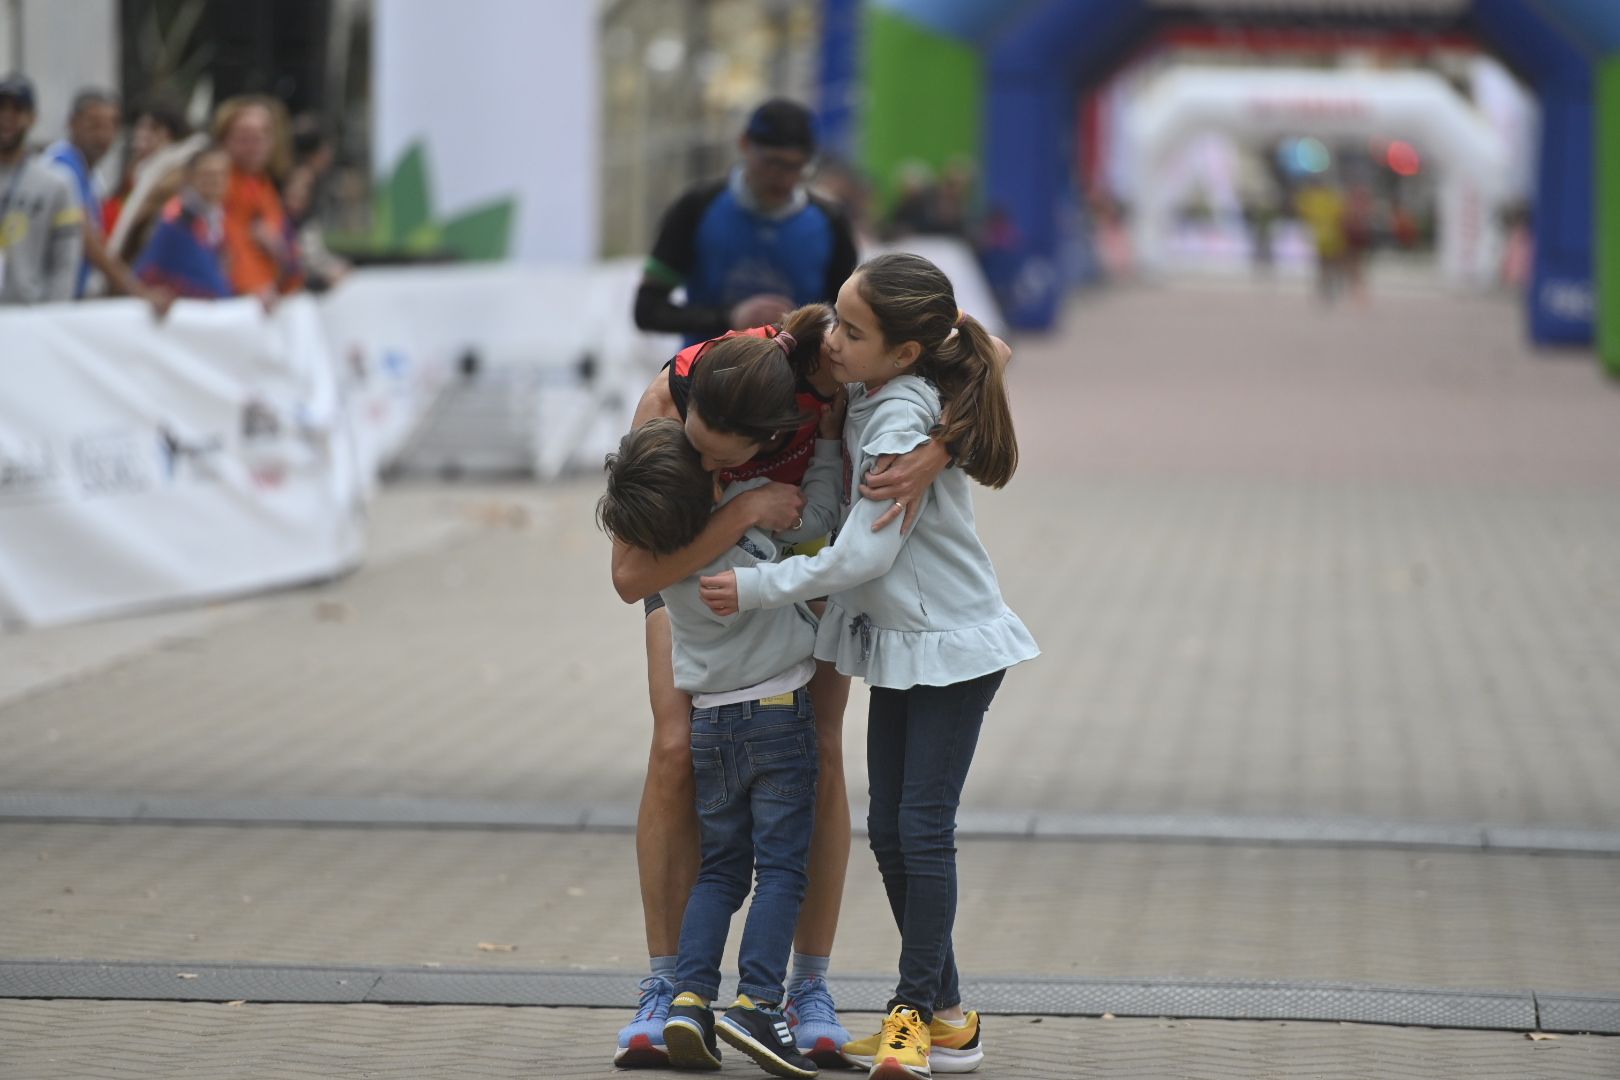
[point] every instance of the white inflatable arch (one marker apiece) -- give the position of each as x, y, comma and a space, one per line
1417, 106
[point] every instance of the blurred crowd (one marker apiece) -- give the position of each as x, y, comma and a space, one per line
924, 201
224, 209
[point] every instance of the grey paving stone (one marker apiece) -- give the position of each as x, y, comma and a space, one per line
1283, 563
129, 1041
1286, 564
569, 901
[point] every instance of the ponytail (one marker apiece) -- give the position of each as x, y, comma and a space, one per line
913, 301
977, 424
807, 327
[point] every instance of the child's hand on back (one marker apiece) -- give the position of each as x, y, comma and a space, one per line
775, 507
720, 592
832, 420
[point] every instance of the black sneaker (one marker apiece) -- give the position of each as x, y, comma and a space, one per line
763, 1035
689, 1035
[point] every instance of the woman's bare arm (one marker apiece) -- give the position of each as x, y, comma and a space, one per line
638, 573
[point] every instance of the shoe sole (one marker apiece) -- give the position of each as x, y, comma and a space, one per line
687, 1050
941, 1060
763, 1055
890, 1069
827, 1055
642, 1053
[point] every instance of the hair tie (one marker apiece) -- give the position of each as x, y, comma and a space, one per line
960, 315
787, 341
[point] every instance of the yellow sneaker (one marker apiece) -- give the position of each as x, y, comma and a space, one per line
954, 1048
902, 1049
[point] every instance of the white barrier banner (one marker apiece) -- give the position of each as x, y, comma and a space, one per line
497, 368
146, 463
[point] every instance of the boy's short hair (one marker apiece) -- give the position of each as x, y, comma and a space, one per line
659, 496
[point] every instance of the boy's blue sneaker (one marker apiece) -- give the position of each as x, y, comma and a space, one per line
814, 1019
641, 1042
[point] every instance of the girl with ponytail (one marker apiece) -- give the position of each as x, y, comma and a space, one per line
919, 615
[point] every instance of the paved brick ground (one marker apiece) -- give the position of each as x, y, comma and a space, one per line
114, 1041
1043, 908
1281, 561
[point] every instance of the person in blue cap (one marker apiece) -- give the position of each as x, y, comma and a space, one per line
752, 246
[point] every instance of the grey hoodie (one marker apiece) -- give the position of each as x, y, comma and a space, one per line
713, 654
41, 234
923, 609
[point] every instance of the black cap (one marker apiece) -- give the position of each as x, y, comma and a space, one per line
17, 88
781, 122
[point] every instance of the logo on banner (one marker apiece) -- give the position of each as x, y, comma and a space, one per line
27, 469
275, 444
1568, 299
112, 463
262, 444
194, 459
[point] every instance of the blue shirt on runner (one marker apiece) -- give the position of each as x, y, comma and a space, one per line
722, 249
67, 155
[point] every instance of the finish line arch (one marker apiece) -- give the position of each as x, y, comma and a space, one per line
1252, 105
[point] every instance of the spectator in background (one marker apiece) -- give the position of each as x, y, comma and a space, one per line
41, 223
186, 253
260, 254
92, 130
159, 124
845, 185
751, 247
156, 180
1321, 206
313, 158
928, 206
953, 210
913, 207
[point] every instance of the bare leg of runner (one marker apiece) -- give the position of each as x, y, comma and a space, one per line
666, 849
666, 824
829, 844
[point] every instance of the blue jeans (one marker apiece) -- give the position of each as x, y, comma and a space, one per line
919, 744
755, 767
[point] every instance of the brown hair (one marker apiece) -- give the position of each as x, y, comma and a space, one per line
748, 386
659, 496
231, 109
913, 301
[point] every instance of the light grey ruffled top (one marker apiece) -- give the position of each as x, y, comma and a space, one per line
923, 609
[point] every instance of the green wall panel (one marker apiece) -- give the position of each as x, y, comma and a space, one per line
1607, 116
923, 102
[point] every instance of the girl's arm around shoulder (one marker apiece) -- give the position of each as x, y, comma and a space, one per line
638, 573
857, 556
901, 460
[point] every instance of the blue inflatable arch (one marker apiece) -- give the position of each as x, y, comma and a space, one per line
1042, 55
